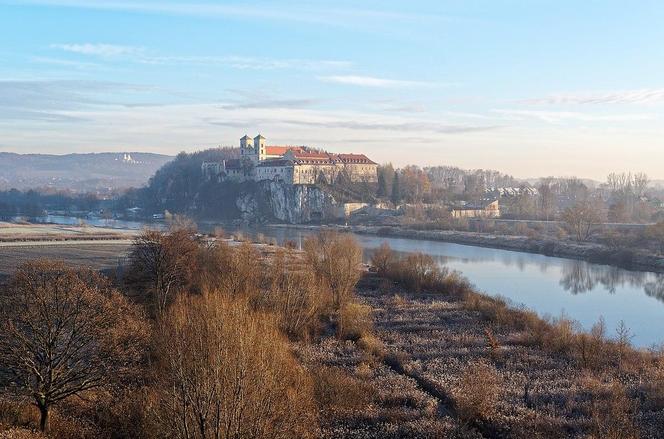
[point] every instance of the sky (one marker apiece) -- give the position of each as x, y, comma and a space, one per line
528, 87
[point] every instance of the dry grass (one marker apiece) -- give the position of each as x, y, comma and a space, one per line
339, 391
356, 321
440, 338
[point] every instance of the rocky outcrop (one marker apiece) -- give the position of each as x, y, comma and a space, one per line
272, 201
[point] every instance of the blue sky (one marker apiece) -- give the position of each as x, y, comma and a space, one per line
531, 88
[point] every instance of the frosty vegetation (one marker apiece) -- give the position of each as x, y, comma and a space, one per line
208, 337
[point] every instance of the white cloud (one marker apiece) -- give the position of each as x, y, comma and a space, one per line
562, 116
141, 55
64, 62
640, 96
302, 13
245, 62
103, 50
370, 81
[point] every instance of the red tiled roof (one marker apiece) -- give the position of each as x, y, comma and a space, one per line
281, 150
355, 158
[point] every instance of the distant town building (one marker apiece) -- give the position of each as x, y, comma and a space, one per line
482, 209
513, 191
290, 164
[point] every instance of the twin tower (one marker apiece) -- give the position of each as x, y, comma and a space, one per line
254, 152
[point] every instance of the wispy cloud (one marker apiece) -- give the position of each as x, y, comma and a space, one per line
52, 100
64, 62
358, 122
640, 96
144, 56
245, 62
370, 81
562, 116
102, 50
271, 103
302, 13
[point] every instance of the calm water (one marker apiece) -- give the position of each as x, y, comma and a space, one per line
551, 286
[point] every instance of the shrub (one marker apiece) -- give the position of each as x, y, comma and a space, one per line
355, 320
654, 386
477, 394
336, 390
226, 371
238, 270
295, 297
14, 413
382, 259
372, 345
611, 413
492, 344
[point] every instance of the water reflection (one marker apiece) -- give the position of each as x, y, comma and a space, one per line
581, 277
655, 288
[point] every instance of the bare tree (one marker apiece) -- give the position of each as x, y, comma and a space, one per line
623, 339
640, 183
581, 218
294, 295
162, 263
64, 332
547, 201
336, 259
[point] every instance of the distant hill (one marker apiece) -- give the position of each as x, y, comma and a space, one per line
94, 172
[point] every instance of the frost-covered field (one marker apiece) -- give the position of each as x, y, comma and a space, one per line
436, 340
95, 254
19, 232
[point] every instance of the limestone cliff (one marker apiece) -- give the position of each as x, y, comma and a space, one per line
270, 201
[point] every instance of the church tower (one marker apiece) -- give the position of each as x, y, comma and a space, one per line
259, 147
246, 149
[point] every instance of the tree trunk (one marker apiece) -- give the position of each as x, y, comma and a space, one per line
43, 421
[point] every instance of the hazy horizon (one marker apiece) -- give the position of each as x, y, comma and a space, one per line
531, 89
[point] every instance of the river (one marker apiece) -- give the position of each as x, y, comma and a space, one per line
550, 286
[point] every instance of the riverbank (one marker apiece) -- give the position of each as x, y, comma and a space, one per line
467, 366
590, 252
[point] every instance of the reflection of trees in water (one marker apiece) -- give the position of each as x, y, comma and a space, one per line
577, 277
655, 288
581, 277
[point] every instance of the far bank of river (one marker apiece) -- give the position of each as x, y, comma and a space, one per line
590, 252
